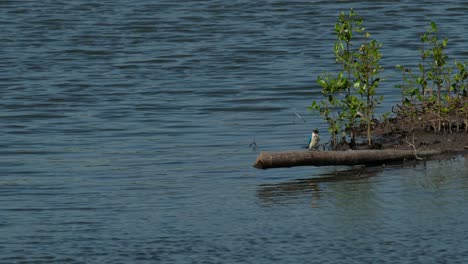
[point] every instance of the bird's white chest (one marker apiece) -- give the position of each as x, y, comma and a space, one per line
314, 141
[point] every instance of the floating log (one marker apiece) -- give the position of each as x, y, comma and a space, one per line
266, 160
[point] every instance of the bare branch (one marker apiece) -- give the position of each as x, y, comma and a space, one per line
414, 148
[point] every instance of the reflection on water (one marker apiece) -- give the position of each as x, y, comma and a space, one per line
360, 186
280, 193
437, 175
466, 162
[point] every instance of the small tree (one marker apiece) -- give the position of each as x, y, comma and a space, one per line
438, 70
347, 97
345, 28
328, 108
367, 68
348, 26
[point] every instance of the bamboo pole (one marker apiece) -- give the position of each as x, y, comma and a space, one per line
266, 160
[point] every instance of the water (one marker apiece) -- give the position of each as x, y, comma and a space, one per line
125, 132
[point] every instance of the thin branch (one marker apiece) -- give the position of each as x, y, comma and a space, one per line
414, 148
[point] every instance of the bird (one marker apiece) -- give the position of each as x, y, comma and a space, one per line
314, 140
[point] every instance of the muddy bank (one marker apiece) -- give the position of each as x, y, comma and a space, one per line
420, 133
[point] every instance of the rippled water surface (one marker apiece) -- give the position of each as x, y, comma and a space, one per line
126, 125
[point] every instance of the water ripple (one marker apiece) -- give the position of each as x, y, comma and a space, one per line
125, 127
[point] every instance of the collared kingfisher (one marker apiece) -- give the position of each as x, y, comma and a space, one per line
314, 140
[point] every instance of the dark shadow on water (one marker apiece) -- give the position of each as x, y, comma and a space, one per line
354, 185
283, 193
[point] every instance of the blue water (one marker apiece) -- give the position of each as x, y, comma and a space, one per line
125, 129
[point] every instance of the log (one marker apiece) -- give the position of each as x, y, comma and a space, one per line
267, 160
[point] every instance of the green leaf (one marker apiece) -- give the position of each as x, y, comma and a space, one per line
424, 37
445, 42
376, 82
322, 83
357, 85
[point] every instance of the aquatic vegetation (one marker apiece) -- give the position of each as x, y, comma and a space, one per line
350, 96
437, 94
434, 97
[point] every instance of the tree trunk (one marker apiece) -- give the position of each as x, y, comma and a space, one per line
266, 160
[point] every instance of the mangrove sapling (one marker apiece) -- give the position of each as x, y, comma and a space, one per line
438, 87
328, 108
438, 69
459, 87
408, 86
354, 108
367, 70
410, 94
460, 82
432, 70
342, 92
421, 80
345, 28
